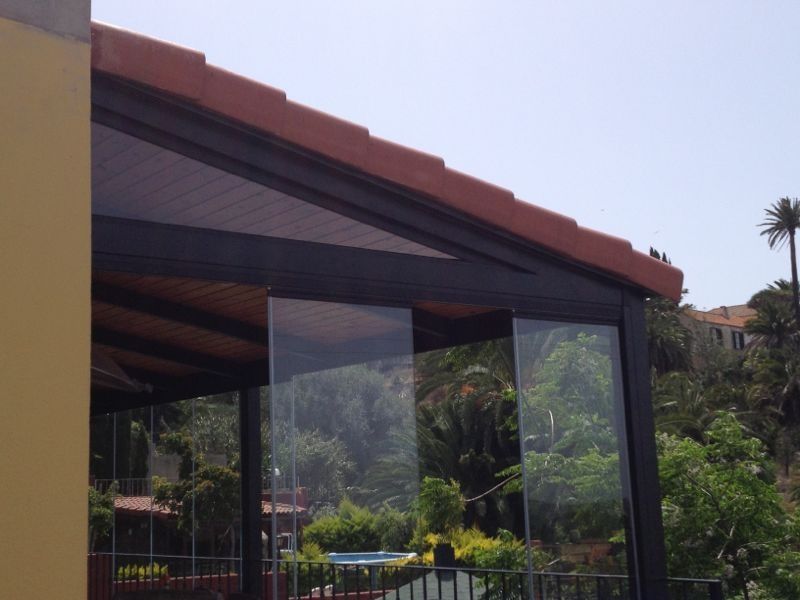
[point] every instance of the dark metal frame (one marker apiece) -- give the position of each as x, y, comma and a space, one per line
490, 268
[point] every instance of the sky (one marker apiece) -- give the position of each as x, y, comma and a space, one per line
671, 124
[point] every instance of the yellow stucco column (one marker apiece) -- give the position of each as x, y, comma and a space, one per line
45, 261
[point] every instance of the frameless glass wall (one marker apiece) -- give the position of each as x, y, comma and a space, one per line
395, 448
391, 445
164, 497
343, 433
572, 437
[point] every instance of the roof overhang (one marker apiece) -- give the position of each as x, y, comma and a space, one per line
183, 75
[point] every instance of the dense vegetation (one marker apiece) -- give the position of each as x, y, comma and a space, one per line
729, 435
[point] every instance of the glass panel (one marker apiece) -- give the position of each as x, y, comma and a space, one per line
384, 455
101, 479
133, 492
343, 422
217, 488
571, 419
172, 475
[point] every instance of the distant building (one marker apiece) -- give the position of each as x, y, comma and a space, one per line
724, 325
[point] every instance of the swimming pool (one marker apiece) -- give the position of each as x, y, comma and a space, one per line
367, 558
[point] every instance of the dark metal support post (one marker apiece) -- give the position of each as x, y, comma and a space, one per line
646, 549
250, 440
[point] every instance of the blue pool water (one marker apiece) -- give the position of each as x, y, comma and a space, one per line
367, 558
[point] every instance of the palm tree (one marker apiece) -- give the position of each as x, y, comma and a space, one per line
772, 326
668, 340
783, 220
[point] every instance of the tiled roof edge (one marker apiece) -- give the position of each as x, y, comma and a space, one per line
184, 72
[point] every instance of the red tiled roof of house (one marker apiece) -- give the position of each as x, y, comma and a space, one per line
141, 504
737, 310
717, 319
184, 72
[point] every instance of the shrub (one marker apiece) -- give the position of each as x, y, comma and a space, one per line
441, 506
396, 529
142, 572
351, 529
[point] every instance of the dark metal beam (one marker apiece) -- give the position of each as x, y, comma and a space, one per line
179, 313
250, 451
646, 553
176, 354
254, 374
322, 271
159, 381
471, 329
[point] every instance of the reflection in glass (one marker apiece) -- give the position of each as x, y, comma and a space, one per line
392, 444
132, 504
170, 476
342, 404
101, 479
570, 402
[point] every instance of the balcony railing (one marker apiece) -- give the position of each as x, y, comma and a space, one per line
109, 574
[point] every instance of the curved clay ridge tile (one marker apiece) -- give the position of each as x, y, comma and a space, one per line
184, 72
604, 251
162, 65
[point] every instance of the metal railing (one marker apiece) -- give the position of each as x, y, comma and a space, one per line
109, 574
112, 573
681, 588
412, 582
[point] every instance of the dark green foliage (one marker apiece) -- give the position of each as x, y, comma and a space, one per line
205, 494
780, 226
441, 506
352, 529
465, 430
668, 340
722, 513
101, 514
660, 256
139, 449
395, 528
350, 404
571, 449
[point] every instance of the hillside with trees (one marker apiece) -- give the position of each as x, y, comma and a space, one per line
729, 436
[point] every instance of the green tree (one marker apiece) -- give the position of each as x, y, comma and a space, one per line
352, 529
780, 225
441, 506
101, 514
668, 340
772, 326
722, 513
205, 494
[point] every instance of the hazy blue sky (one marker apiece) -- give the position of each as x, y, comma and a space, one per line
672, 124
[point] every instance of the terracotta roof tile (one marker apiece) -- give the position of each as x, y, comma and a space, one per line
142, 504
406, 166
540, 225
603, 251
483, 200
184, 72
139, 504
716, 319
243, 99
656, 275
162, 65
326, 134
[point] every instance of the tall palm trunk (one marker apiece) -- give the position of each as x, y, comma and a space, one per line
795, 291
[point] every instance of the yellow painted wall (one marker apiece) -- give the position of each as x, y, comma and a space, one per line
45, 254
